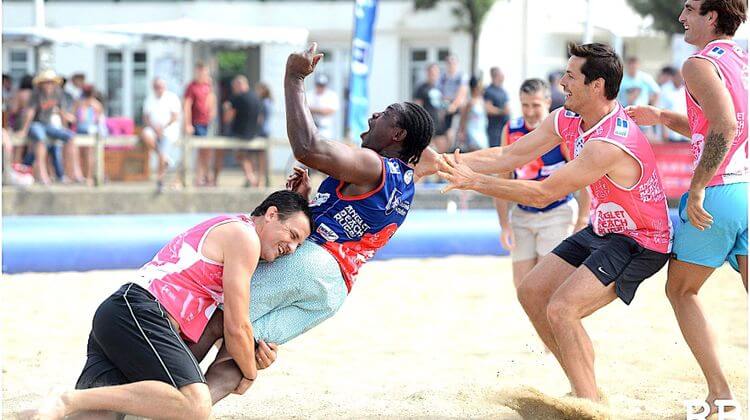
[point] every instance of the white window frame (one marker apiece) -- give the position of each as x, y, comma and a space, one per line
433, 50
127, 104
30, 59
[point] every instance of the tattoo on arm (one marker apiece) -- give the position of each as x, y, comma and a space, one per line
714, 151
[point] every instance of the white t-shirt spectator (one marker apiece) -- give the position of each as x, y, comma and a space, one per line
159, 111
325, 123
642, 81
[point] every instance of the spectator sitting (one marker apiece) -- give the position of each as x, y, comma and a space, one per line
45, 122
8, 93
89, 121
324, 104
243, 112
472, 131
429, 96
17, 110
75, 87
200, 109
161, 131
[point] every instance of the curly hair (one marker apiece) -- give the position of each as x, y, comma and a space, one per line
419, 130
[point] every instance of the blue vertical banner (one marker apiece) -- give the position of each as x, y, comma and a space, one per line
364, 26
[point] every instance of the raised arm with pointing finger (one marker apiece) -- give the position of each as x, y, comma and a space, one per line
360, 167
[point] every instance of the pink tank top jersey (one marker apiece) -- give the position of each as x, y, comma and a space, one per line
730, 62
640, 211
186, 283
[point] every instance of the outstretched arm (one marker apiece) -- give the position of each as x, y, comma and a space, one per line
596, 159
355, 166
497, 160
651, 115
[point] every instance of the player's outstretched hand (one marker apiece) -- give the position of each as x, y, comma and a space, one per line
697, 215
265, 355
458, 174
644, 114
302, 64
428, 163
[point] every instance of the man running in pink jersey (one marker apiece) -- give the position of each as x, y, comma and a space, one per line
713, 213
629, 238
139, 334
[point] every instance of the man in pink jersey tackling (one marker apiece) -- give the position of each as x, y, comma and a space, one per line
138, 361
713, 213
629, 237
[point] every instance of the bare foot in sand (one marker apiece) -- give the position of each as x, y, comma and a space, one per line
51, 408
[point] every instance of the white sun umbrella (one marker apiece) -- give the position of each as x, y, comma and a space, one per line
35, 36
193, 30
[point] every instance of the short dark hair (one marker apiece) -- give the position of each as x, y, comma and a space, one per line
419, 130
669, 70
287, 203
27, 82
6, 76
601, 62
531, 86
474, 82
732, 13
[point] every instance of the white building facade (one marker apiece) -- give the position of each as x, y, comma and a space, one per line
527, 38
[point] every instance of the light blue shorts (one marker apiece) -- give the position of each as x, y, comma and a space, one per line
727, 237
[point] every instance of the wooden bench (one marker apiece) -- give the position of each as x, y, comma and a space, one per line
95, 141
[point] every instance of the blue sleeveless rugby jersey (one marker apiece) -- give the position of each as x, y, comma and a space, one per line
538, 169
353, 228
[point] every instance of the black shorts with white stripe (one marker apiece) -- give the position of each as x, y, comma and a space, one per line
132, 340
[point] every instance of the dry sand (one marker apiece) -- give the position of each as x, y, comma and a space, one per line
416, 338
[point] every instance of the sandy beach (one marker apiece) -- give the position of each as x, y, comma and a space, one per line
416, 338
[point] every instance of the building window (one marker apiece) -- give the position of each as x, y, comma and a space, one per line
140, 85
419, 58
18, 64
126, 69
114, 71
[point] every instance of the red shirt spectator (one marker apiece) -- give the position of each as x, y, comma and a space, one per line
198, 94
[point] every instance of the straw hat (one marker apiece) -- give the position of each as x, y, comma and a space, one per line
47, 75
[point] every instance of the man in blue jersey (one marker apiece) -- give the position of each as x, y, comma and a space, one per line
356, 210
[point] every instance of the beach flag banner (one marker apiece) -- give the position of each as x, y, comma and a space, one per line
364, 25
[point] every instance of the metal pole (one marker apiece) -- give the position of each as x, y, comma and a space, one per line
588, 32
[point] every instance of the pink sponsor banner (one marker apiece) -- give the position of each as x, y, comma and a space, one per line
675, 164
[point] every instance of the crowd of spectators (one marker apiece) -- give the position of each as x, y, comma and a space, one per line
50, 113
471, 116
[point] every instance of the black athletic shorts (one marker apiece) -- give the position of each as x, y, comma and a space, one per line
612, 258
132, 340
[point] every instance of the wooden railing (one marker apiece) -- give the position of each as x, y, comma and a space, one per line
189, 144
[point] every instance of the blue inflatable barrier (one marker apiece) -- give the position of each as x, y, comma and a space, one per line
82, 243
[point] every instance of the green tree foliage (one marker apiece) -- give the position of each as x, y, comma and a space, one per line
470, 14
664, 13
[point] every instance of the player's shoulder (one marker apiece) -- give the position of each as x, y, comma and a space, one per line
399, 171
516, 123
